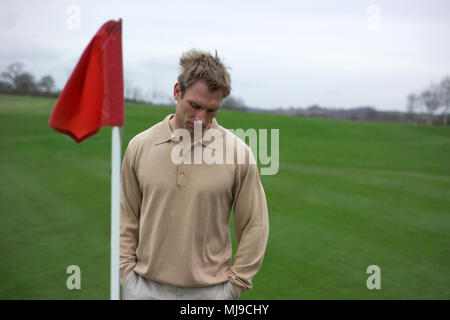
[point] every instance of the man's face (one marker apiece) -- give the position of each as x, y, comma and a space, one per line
198, 104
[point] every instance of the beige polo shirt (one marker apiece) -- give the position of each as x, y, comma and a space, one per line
174, 220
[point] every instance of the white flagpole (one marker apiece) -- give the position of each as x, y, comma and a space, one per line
116, 157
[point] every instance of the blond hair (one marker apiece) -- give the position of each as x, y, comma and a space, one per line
200, 65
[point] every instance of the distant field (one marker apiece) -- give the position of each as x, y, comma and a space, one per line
347, 195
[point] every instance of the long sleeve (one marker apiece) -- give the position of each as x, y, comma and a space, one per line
251, 225
130, 205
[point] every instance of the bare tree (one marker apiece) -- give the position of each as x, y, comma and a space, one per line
445, 96
430, 98
13, 73
25, 83
46, 84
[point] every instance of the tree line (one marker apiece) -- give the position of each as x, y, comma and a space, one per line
18, 81
421, 107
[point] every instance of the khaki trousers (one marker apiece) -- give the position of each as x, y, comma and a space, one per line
136, 287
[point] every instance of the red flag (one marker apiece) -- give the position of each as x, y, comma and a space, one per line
93, 95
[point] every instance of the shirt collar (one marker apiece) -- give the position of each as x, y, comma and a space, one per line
167, 135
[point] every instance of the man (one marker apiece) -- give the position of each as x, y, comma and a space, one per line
175, 241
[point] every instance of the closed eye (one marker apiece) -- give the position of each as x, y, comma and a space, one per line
195, 106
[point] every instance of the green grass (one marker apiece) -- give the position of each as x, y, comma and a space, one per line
347, 195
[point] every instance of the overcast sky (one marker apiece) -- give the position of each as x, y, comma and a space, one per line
281, 53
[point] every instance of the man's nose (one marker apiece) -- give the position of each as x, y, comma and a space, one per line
200, 115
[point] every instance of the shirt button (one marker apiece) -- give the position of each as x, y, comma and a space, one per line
180, 179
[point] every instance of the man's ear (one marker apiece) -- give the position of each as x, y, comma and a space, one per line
177, 92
